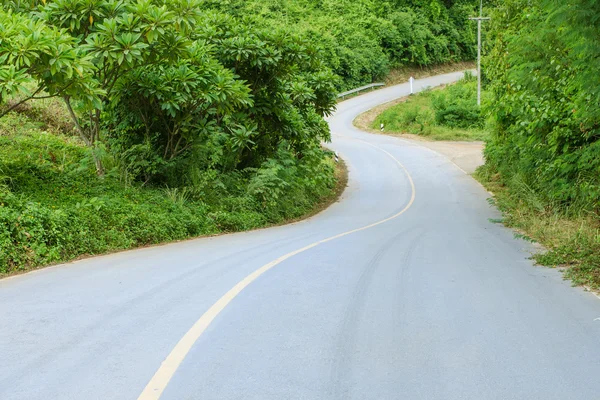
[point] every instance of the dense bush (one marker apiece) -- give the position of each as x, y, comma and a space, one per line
544, 67
456, 107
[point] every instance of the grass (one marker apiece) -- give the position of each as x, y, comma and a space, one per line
572, 239
416, 115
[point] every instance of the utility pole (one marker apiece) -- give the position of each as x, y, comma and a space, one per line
479, 19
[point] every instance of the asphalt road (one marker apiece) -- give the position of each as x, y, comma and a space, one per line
430, 301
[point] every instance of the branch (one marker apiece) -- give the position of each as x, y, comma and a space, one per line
112, 80
175, 150
184, 148
39, 89
76, 121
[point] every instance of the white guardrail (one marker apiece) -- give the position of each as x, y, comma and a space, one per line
372, 86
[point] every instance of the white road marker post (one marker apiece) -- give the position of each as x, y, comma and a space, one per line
382, 127
411, 80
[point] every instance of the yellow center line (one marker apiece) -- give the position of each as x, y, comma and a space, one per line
167, 369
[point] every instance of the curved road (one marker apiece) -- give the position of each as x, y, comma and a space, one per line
402, 290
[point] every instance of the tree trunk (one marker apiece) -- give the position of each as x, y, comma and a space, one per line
89, 141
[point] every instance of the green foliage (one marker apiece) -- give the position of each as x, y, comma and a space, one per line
168, 109
547, 123
363, 39
456, 107
241, 92
284, 184
447, 114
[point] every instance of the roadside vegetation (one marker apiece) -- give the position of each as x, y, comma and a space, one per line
543, 156
54, 208
450, 113
128, 123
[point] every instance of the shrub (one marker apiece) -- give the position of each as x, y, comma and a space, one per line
456, 107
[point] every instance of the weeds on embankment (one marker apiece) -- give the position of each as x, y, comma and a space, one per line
570, 235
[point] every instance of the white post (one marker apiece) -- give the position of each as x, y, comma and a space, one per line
411, 80
479, 19
479, 61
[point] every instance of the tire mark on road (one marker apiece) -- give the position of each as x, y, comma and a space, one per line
345, 348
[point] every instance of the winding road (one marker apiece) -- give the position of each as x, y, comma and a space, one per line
401, 290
